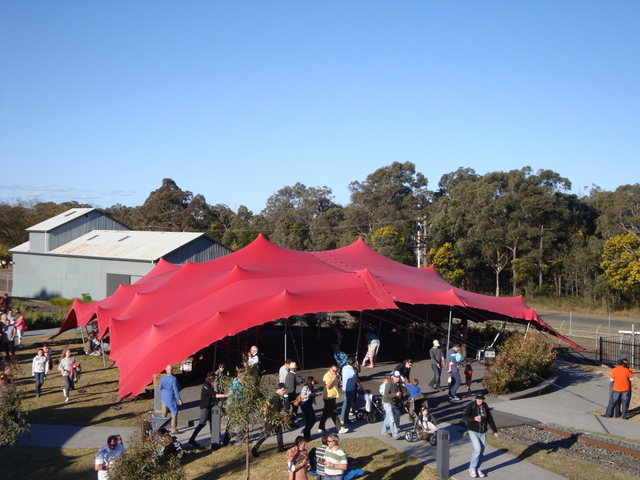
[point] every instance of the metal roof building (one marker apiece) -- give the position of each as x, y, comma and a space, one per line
83, 252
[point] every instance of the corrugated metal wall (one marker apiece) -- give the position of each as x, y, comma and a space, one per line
47, 276
94, 220
201, 250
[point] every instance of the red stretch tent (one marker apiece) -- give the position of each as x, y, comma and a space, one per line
174, 311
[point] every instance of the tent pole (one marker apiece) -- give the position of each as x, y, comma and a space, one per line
302, 346
286, 322
215, 357
449, 329
359, 336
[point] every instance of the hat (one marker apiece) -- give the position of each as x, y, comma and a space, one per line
479, 396
211, 374
396, 374
293, 365
287, 361
436, 343
280, 385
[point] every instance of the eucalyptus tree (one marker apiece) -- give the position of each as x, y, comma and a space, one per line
291, 212
392, 196
164, 209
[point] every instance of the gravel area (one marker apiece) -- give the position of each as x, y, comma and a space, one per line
581, 450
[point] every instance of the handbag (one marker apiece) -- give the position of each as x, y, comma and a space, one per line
297, 401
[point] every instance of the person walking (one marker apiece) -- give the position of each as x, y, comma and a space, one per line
453, 367
21, 327
330, 396
170, 396
275, 404
208, 398
392, 395
437, 361
65, 368
307, 396
620, 379
478, 416
39, 369
350, 383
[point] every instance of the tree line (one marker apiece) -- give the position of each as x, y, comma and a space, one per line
515, 232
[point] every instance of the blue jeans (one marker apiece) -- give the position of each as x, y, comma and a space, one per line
39, 381
391, 419
437, 371
455, 383
478, 440
624, 399
349, 395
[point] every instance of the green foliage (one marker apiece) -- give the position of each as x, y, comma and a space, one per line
61, 302
41, 315
140, 461
13, 418
446, 264
621, 263
522, 359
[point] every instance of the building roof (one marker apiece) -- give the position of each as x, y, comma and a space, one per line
125, 244
58, 220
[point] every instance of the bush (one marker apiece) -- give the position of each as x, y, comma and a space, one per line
39, 315
13, 418
140, 461
522, 360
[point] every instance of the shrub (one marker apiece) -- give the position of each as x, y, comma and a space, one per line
12, 416
522, 360
140, 461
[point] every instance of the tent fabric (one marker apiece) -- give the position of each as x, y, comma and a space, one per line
174, 311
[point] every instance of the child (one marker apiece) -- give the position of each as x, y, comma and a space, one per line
383, 385
414, 389
468, 375
426, 420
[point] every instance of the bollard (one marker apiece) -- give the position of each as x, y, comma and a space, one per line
442, 454
215, 426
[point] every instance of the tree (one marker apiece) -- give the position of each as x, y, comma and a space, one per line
391, 196
621, 263
246, 408
242, 229
164, 209
446, 264
292, 211
391, 244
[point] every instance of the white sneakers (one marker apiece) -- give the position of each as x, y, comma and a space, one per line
343, 430
476, 473
480, 473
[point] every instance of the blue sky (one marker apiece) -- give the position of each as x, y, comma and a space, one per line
101, 100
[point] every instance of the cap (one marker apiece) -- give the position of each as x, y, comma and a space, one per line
396, 374
287, 361
293, 365
436, 343
280, 385
211, 374
479, 396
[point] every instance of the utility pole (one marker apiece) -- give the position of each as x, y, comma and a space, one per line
421, 243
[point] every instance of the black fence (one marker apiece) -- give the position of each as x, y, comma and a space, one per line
614, 348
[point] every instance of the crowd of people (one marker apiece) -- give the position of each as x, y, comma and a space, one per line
341, 386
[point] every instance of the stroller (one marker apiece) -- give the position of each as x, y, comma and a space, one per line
423, 429
373, 410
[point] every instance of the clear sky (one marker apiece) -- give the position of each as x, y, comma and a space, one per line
101, 100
